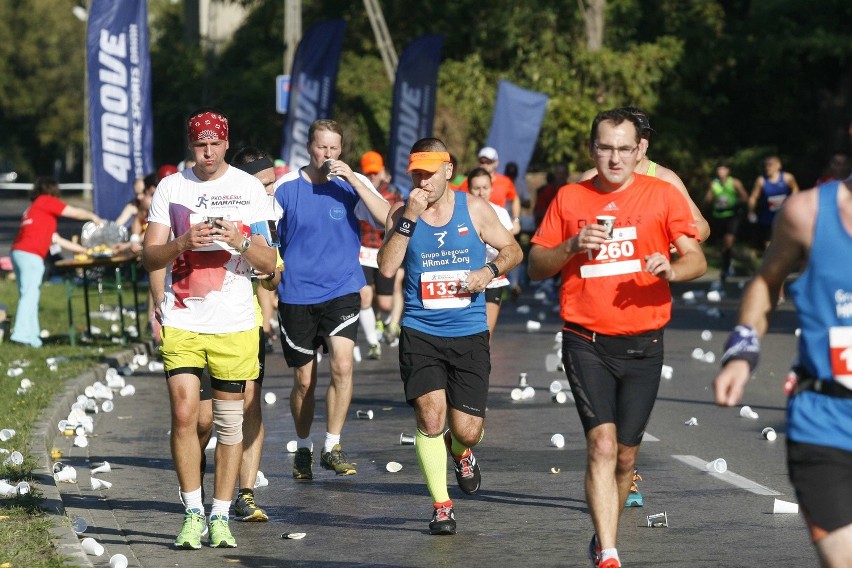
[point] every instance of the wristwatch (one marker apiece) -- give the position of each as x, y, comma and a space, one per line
244, 247
493, 268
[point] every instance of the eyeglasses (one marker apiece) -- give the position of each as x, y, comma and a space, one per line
485, 161
624, 152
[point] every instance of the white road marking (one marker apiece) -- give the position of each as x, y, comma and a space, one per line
646, 437
728, 476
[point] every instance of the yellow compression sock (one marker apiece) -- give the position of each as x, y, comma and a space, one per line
458, 448
432, 455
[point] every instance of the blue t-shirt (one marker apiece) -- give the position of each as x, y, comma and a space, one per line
436, 263
823, 298
320, 238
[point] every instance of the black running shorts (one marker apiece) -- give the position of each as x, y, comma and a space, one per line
494, 295
614, 380
821, 477
459, 365
384, 285
305, 327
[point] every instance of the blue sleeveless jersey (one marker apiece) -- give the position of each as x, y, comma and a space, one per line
823, 298
434, 262
771, 198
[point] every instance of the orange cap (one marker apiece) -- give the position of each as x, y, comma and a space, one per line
427, 161
372, 163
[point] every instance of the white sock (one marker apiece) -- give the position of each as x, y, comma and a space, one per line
305, 443
330, 441
608, 553
367, 319
192, 500
220, 507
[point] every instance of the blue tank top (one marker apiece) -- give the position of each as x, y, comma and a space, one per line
771, 198
823, 298
436, 263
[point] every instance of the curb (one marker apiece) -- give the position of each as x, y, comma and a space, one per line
66, 542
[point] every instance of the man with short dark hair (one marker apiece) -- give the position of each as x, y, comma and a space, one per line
615, 301
439, 236
199, 231
319, 207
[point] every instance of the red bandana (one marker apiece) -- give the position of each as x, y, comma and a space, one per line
207, 126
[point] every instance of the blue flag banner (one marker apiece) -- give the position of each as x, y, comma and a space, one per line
514, 128
120, 127
312, 87
413, 111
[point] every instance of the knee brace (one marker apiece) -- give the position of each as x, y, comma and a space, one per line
228, 418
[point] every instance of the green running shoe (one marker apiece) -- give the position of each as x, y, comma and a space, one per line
194, 525
336, 461
220, 533
246, 509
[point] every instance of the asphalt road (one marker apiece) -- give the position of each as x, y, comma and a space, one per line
524, 515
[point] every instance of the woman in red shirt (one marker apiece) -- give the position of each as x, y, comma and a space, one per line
30, 249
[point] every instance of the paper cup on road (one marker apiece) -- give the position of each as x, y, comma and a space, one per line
118, 561
292, 446
551, 362
709, 357
393, 467
522, 380
714, 296
557, 441
517, 393
103, 468
608, 222
270, 398
769, 433
356, 354
706, 335
92, 547
156, 366
66, 475
666, 372
784, 507
406, 439
527, 393
364, 414
79, 525
747, 412
99, 484
107, 406
127, 390
698, 353
523, 309
81, 441
560, 398
719, 465
692, 421
533, 325
555, 387
260, 480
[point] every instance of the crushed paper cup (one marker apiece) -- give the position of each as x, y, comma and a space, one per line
15, 372
294, 536
26, 384
780, 507
270, 398
364, 414
393, 467
523, 309
292, 446
99, 484
693, 421
769, 434
747, 412
407, 439
260, 480
92, 547
658, 520
719, 465
557, 441
706, 335
555, 470
533, 325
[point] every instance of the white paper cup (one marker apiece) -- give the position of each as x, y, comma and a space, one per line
780, 507
356, 354
666, 372
66, 475
709, 357
747, 412
557, 441
7, 490
211, 443
92, 547
270, 398
527, 393
714, 296
22, 488
292, 446
719, 465
706, 335
517, 393
522, 380
26, 384
407, 439
6, 434
15, 458
560, 398
523, 309
79, 525
81, 441
533, 325
769, 434
103, 468
118, 561
15, 372
551, 362
364, 414
127, 390
692, 421
98, 484
698, 353
393, 467
555, 387
107, 406
608, 222
260, 480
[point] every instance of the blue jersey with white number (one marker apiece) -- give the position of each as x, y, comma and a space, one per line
436, 263
823, 298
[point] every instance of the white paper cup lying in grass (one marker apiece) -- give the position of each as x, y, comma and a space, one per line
15, 458
6, 434
393, 467
780, 507
719, 465
92, 547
